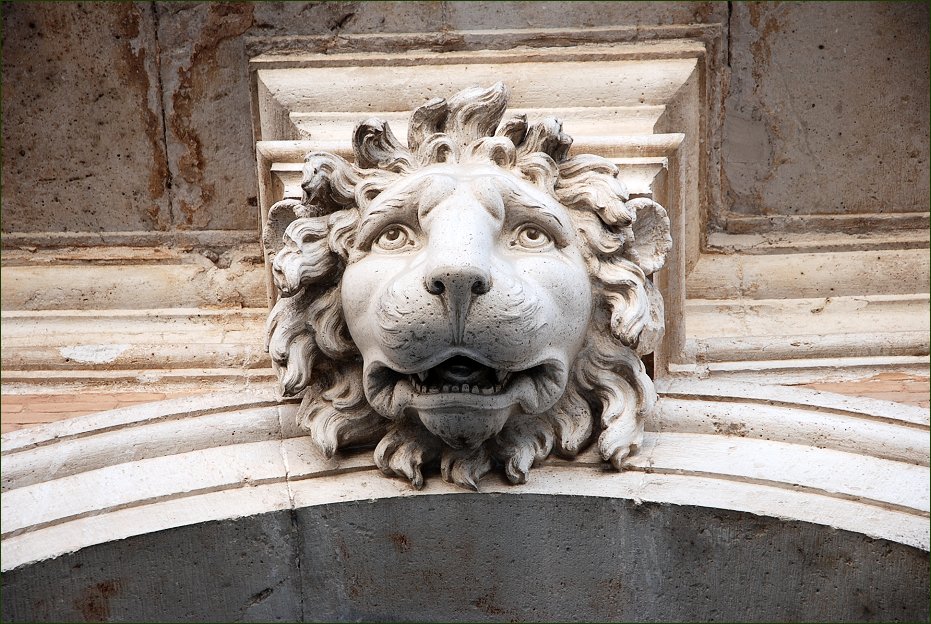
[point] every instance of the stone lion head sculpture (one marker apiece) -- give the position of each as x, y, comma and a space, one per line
477, 298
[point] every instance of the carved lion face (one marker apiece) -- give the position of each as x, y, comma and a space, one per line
469, 299
476, 297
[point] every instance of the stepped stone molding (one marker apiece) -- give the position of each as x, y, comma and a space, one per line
637, 105
475, 297
648, 98
653, 109
856, 465
665, 147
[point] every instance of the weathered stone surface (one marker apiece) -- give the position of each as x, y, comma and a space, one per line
807, 128
18, 411
537, 558
495, 15
83, 144
27, 410
242, 570
336, 18
828, 108
205, 88
482, 558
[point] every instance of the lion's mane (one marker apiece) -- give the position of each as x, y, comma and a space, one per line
622, 241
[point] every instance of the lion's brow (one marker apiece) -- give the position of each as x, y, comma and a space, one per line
389, 206
541, 207
405, 199
373, 219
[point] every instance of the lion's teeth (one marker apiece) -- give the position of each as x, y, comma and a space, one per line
422, 376
466, 387
500, 374
476, 390
446, 388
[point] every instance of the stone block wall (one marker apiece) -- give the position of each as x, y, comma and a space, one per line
136, 117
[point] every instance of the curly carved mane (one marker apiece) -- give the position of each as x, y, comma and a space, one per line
622, 241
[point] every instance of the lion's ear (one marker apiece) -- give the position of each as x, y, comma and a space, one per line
280, 216
652, 240
654, 323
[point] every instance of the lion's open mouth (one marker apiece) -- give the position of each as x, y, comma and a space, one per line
459, 380
460, 374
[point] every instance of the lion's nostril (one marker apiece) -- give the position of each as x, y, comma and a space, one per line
435, 287
481, 285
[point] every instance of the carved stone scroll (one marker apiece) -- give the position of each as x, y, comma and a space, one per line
476, 298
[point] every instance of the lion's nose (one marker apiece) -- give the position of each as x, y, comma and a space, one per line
463, 280
457, 286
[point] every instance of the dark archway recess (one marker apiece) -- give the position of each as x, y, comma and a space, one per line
482, 557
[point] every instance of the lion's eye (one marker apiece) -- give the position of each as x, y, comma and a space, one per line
532, 237
394, 238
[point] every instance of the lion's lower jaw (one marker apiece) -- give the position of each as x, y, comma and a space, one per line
463, 420
461, 428
607, 377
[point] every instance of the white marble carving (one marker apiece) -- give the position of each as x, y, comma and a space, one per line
477, 297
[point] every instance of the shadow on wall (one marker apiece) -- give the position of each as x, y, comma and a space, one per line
482, 558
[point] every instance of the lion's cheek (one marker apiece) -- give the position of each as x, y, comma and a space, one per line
362, 290
562, 280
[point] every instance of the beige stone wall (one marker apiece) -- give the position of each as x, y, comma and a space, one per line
134, 117
827, 111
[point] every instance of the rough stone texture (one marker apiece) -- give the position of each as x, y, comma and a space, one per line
828, 108
543, 558
482, 558
83, 143
897, 387
496, 15
231, 571
205, 89
336, 18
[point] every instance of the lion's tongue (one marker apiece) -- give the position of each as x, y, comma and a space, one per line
460, 370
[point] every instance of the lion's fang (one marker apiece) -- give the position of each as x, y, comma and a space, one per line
422, 375
501, 375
